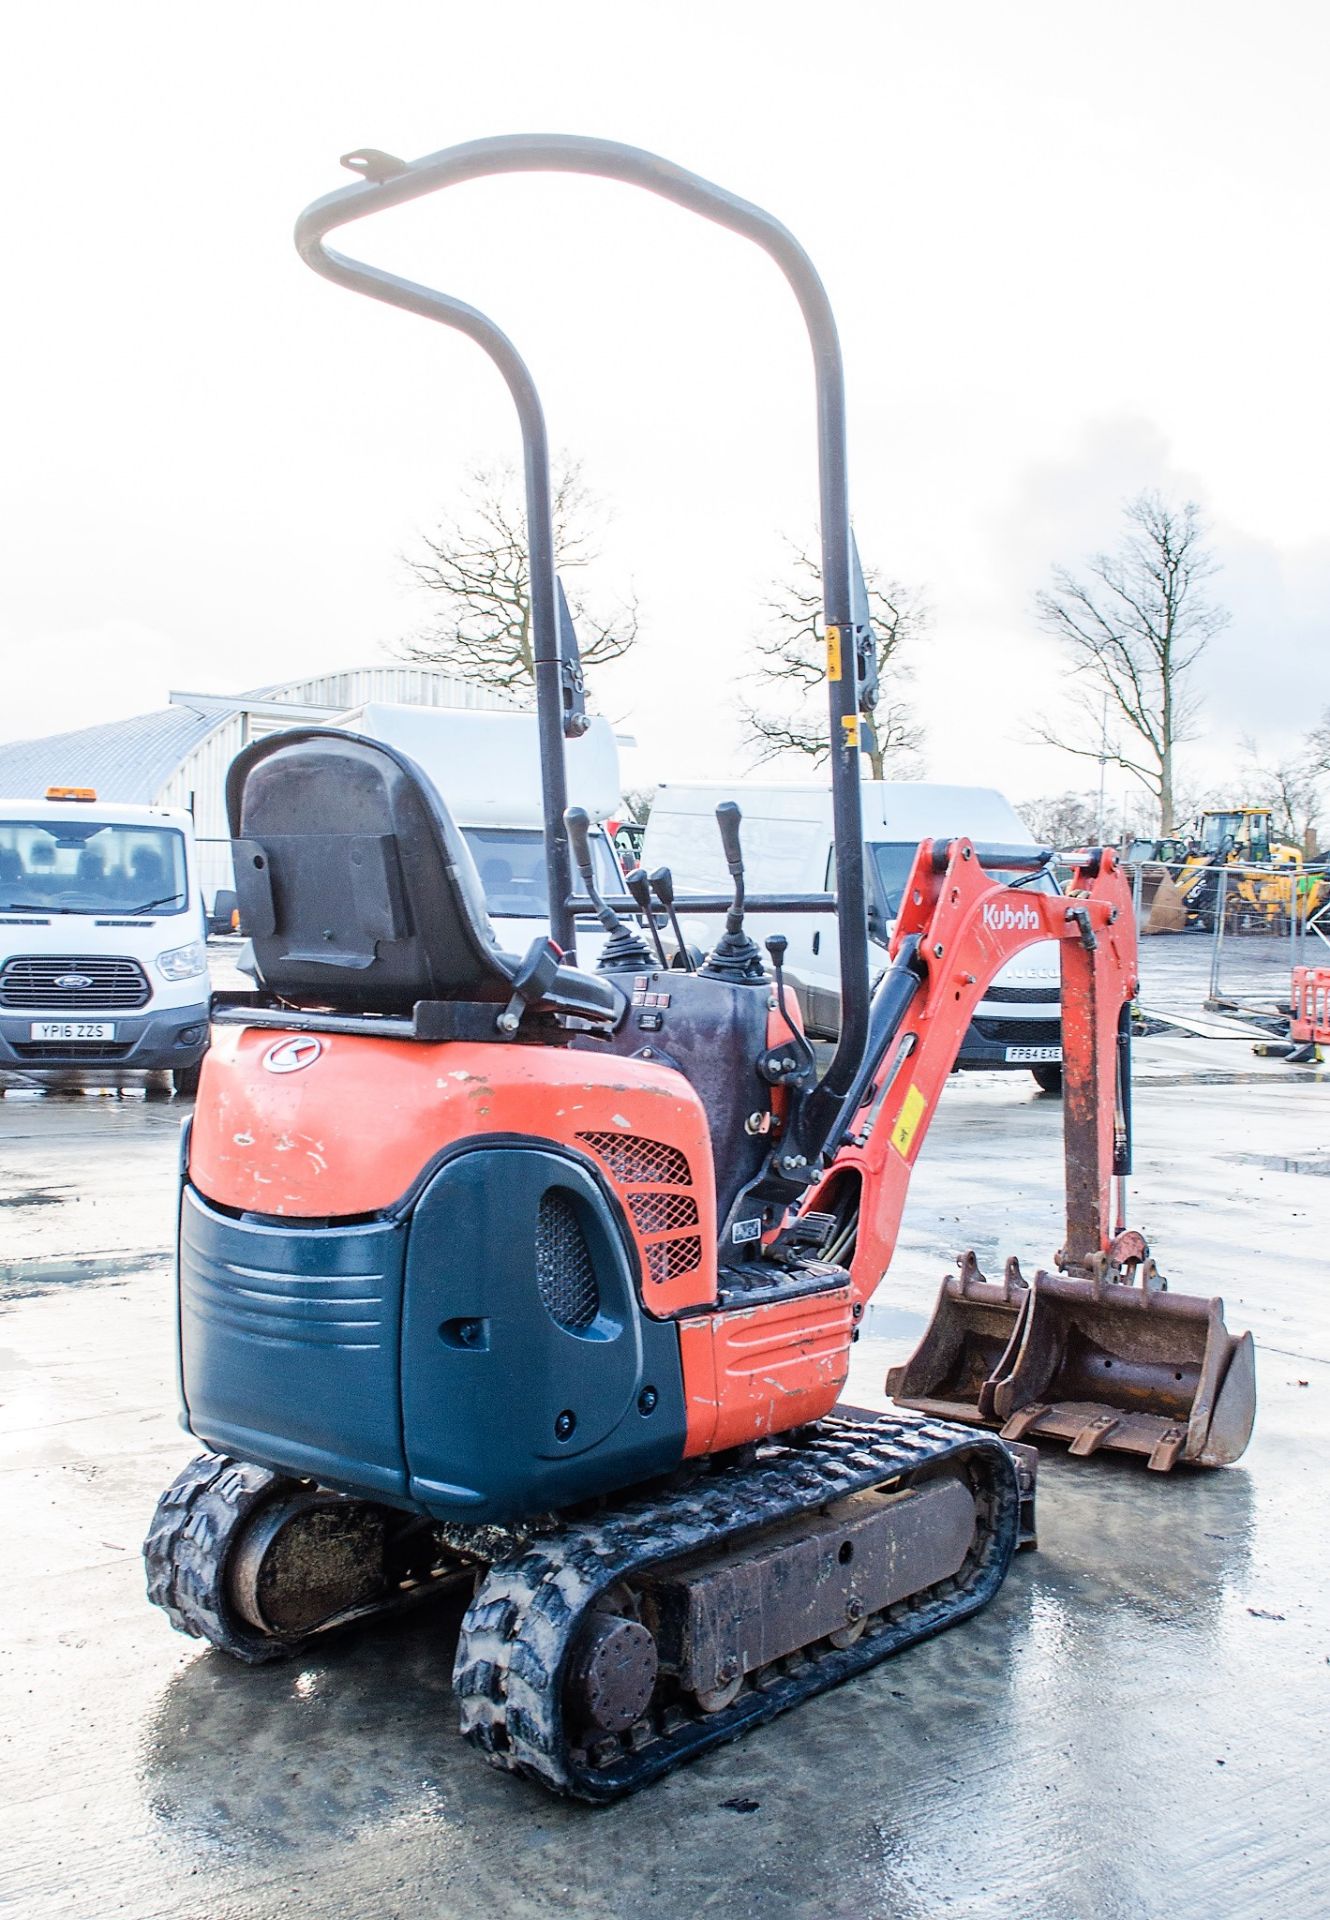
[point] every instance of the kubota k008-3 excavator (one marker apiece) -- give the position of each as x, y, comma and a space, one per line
499, 1272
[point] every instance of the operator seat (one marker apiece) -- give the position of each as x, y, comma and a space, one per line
359, 893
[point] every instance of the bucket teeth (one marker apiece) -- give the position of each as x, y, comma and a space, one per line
1104, 1358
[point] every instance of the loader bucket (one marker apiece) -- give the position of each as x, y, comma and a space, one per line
974, 1325
1128, 1368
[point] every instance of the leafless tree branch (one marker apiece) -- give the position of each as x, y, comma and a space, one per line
1132, 624
790, 660
476, 564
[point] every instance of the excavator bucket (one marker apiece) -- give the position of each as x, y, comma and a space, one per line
1164, 907
1106, 1362
1127, 1367
975, 1325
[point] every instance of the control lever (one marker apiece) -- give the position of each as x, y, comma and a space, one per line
734, 957
640, 888
662, 885
623, 951
728, 818
794, 1059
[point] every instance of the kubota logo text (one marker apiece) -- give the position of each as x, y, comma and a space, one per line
1004, 918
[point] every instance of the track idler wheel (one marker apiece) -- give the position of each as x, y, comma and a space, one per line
255, 1562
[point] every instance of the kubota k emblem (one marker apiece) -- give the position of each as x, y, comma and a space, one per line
288, 1056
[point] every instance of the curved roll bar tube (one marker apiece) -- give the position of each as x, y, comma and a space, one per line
389, 182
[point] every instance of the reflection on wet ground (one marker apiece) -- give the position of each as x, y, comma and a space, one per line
1132, 1729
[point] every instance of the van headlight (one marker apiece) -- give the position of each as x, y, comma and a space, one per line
183, 963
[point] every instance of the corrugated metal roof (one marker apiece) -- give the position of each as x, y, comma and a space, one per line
180, 753
128, 760
407, 685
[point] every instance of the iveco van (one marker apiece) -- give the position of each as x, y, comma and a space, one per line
102, 957
788, 848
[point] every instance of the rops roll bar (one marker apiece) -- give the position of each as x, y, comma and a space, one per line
389, 182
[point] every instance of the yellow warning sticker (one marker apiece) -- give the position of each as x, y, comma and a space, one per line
911, 1113
850, 724
833, 653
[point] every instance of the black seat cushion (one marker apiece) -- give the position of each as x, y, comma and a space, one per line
356, 887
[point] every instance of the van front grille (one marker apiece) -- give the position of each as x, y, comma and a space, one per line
34, 981
67, 1050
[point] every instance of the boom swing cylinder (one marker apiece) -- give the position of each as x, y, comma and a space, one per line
495, 1272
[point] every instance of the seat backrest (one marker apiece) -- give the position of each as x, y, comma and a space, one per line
354, 883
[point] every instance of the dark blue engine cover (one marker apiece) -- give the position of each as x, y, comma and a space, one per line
482, 1357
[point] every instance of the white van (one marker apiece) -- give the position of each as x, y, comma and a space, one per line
102, 956
486, 766
788, 848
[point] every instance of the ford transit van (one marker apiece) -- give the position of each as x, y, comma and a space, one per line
102, 957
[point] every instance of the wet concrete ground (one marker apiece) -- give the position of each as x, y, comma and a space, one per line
1134, 1728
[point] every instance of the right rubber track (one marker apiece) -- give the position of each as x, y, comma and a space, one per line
522, 1625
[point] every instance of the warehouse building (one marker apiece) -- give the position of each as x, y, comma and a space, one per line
178, 756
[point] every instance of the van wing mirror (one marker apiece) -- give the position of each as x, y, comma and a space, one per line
223, 907
877, 925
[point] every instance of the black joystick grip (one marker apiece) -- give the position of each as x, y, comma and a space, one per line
640, 888
578, 822
623, 952
728, 817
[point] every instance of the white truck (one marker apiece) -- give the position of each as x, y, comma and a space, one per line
486, 766
788, 848
102, 957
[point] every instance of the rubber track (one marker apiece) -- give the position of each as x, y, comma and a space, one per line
522, 1624
197, 1521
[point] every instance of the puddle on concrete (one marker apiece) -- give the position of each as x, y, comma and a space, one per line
31, 1279
1280, 1163
893, 1323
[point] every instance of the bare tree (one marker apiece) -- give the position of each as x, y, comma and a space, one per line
1291, 787
1061, 819
476, 564
1318, 746
791, 657
1133, 624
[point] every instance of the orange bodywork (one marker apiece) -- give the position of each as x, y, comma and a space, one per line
757, 1370
971, 926
352, 1132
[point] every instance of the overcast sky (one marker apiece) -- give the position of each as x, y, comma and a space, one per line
1075, 249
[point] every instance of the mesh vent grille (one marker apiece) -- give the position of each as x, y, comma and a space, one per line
670, 1258
564, 1270
661, 1212
644, 1162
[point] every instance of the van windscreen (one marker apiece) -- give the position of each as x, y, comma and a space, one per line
511, 864
90, 866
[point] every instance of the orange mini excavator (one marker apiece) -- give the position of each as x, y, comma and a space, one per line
497, 1272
